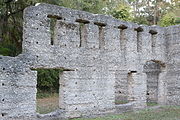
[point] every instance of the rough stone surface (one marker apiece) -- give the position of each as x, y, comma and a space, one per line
105, 61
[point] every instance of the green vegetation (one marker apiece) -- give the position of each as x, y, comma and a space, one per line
122, 12
42, 95
152, 104
159, 12
162, 113
47, 90
168, 19
147, 12
121, 102
48, 80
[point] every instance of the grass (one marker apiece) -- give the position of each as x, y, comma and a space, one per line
152, 104
162, 113
121, 102
47, 102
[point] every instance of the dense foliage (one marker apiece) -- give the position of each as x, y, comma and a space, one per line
48, 80
148, 12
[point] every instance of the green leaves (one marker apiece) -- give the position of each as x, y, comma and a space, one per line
8, 49
4, 51
177, 21
48, 80
94, 6
122, 12
167, 20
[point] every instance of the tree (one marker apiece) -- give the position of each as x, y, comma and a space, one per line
172, 15
122, 12
11, 27
11, 13
119, 9
140, 20
151, 10
48, 80
167, 20
140, 11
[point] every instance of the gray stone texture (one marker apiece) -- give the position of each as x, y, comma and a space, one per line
104, 60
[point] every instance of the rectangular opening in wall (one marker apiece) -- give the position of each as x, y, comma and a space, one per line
152, 88
83, 31
139, 43
101, 34
47, 90
123, 40
53, 21
121, 88
139, 31
101, 37
152, 70
153, 39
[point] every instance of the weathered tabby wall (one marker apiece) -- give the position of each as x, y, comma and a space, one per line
173, 64
106, 62
17, 88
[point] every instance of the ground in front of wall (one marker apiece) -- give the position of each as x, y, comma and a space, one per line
161, 113
49, 104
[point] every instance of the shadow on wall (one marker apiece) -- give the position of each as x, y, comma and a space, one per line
153, 68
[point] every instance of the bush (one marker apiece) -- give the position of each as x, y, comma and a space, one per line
48, 80
167, 20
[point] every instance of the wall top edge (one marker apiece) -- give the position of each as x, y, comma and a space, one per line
73, 15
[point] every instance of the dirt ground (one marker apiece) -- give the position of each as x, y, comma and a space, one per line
46, 105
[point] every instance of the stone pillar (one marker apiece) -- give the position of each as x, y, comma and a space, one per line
162, 88
137, 89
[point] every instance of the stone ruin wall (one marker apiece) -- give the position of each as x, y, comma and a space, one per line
173, 65
104, 60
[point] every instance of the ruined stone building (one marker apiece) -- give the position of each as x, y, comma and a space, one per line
105, 62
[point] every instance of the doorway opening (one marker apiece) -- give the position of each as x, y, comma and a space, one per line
121, 87
47, 90
152, 69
